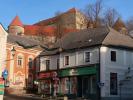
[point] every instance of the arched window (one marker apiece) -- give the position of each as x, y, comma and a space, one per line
30, 62
20, 61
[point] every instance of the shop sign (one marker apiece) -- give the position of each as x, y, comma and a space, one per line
48, 75
78, 71
73, 72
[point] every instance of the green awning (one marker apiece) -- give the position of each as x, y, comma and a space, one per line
78, 71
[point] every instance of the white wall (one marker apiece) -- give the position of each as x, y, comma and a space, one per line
53, 62
3, 41
124, 59
77, 58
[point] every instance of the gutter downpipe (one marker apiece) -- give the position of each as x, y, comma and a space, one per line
99, 89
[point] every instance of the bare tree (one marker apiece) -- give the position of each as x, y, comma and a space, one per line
129, 24
59, 26
110, 16
93, 12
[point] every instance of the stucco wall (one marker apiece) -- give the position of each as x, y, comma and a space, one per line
78, 58
124, 59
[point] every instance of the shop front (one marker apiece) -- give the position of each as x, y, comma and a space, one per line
79, 81
48, 83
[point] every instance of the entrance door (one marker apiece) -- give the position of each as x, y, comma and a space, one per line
85, 86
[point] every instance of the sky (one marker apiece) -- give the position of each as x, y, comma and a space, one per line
32, 11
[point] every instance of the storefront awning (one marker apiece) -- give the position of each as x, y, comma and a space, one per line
78, 71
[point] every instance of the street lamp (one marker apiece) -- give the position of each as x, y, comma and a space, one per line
13, 51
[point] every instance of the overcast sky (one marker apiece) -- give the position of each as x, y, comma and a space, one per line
31, 11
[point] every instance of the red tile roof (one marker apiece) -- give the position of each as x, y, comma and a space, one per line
16, 22
44, 30
39, 30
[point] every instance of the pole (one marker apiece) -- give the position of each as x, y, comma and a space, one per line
120, 92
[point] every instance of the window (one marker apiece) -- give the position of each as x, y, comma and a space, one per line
66, 60
42, 64
20, 60
113, 55
58, 62
113, 83
30, 62
87, 56
47, 64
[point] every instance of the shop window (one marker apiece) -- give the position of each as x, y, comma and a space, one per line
20, 61
113, 84
73, 85
47, 64
67, 83
66, 60
87, 56
93, 84
113, 56
30, 62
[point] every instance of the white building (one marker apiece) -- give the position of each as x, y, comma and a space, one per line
3, 40
93, 63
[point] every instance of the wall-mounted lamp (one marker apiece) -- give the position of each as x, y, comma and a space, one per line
13, 51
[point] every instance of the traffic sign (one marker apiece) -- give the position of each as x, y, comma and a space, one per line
5, 74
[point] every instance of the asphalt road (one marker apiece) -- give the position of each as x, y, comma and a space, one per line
14, 97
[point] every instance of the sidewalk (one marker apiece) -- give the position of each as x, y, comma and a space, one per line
38, 97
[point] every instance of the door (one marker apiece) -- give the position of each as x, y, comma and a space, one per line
85, 87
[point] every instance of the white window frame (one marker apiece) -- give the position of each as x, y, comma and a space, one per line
85, 57
116, 55
65, 60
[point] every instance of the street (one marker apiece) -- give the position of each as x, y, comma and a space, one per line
15, 97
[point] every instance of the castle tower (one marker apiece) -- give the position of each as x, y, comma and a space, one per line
16, 27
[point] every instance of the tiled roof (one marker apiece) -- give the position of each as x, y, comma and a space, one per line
92, 37
83, 38
80, 39
16, 22
44, 30
22, 41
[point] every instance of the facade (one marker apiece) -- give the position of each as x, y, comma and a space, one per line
23, 66
47, 76
3, 41
98, 65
